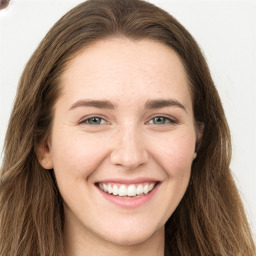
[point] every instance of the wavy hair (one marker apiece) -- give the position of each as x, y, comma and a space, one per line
210, 219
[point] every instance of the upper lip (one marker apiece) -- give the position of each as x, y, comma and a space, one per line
128, 181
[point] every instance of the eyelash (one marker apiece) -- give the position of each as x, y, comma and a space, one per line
85, 121
168, 120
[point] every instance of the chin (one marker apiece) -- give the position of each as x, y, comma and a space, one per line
133, 238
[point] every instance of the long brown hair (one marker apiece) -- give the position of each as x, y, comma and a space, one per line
210, 219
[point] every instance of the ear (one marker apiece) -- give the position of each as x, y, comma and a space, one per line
44, 155
199, 135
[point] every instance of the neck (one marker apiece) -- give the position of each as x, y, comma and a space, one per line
79, 245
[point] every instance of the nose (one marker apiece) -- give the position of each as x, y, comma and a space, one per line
129, 150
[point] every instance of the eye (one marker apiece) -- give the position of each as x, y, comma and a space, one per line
94, 120
161, 120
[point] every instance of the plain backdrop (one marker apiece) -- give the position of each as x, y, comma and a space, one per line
225, 31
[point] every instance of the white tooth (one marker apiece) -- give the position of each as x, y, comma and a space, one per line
115, 190
110, 190
145, 189
122, 191
105, 187
131, 190
100, 185
151, 186
139, 190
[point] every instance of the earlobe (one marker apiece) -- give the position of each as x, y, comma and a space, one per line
44, 155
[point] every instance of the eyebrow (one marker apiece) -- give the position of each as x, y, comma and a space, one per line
161, 103
93, 103
106, 104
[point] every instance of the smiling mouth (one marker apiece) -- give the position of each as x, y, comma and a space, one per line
127, 191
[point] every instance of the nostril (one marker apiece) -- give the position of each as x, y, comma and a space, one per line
129, 157
4, 4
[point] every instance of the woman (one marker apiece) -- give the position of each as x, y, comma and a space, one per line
118, 143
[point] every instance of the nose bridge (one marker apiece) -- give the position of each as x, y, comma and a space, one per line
129, 149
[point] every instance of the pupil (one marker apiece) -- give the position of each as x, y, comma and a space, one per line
95, 120
159, 120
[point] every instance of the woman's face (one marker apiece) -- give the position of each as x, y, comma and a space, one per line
122, 141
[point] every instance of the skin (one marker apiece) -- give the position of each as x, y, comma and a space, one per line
127, 143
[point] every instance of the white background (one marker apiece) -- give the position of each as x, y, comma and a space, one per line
226, 32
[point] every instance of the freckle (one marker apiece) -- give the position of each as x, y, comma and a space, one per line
4, 4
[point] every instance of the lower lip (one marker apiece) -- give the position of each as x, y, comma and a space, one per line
129, 203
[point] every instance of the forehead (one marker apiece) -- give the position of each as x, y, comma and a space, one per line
118, 68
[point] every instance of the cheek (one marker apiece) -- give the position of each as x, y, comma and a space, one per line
176, 154
77, 154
